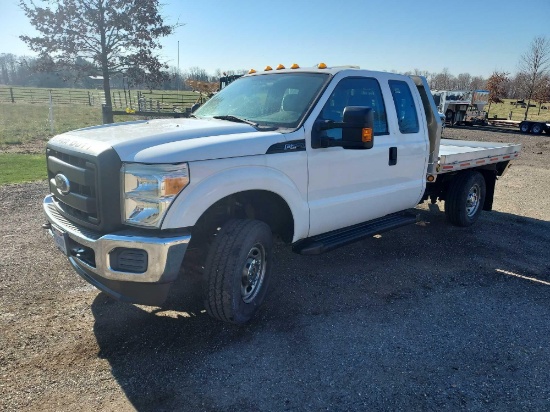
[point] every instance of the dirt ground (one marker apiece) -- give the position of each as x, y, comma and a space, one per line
426, 317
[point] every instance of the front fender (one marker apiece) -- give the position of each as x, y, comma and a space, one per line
195, 199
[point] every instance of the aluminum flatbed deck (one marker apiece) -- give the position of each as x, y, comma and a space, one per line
463, 154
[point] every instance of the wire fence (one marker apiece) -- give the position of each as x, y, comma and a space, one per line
120, 99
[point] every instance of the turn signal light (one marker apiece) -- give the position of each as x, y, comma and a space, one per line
280, 67
431, 178
366, 136
174, 184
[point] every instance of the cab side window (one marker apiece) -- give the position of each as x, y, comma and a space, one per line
405, 108
355, 91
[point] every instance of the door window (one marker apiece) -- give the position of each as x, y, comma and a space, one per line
355, 91
405, 108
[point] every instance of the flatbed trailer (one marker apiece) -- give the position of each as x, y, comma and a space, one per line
525, 126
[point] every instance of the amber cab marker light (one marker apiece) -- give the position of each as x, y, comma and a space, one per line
366, 135
267, 68
280, 67
321, 66
295, 66
251, 71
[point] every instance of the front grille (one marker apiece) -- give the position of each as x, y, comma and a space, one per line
93, 200
82, 200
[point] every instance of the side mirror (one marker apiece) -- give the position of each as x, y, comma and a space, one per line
360, 133
357, 130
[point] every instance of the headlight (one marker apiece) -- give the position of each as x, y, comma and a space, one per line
148, 191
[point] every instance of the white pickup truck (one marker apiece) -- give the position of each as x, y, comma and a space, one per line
319, 157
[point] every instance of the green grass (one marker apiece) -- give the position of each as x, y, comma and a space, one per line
502, 110
18, 168
21, 123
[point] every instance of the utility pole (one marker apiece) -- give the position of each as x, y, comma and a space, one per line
178, 73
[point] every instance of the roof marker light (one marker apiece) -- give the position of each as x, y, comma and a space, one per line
295, 66
267, 68
321, 66
251, 71
280, 67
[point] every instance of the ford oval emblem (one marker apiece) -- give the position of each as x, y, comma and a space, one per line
62, 183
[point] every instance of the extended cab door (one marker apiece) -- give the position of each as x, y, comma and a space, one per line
348, 186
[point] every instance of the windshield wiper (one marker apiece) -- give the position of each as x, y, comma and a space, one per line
237, 119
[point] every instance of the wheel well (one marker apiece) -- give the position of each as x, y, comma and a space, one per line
261, 205
439, 189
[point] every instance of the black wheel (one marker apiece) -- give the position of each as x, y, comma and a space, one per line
536, 128
237, 270
524, 127
450, 117
465, 198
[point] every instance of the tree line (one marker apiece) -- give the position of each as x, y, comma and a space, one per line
25, 72
21, 71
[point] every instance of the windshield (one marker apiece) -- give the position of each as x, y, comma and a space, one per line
274, 100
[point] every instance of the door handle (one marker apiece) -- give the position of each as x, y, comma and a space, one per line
393, 156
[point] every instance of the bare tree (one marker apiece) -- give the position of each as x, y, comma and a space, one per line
534, 66
111, 35
542, 93
442, 81
496, 84
477, 83
463, 81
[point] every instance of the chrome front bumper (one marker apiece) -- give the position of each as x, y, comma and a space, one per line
165, 256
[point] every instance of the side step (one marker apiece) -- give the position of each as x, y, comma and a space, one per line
329, 241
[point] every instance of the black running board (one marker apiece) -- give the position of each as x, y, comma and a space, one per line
329, 241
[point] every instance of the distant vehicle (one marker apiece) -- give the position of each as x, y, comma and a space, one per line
462, 106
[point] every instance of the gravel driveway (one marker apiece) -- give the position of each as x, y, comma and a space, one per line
426, 317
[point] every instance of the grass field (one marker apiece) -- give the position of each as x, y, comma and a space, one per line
502, 110
23, 121
18, 168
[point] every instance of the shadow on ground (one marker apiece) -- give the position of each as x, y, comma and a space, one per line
419, 318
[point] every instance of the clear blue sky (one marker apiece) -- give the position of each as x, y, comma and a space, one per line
468, 36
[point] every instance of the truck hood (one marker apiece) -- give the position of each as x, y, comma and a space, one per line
171, 140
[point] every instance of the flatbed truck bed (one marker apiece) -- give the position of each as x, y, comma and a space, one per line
462, 154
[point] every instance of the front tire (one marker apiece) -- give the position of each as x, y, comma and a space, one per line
465, 198
238, 270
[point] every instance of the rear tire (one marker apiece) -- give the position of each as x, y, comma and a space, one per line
524, 127
536, 128
465, 198
237, 270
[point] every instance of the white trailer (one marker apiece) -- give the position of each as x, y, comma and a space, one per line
462, 106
